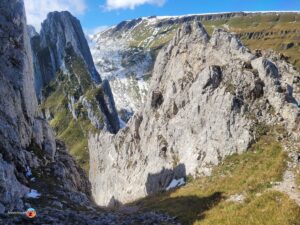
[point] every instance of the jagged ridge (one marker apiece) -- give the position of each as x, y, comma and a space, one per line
209, 97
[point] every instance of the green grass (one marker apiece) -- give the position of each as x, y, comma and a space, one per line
203, 200
266, 24
73, 133
75, 137
271, 208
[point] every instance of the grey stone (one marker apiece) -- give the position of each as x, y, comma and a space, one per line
199, 109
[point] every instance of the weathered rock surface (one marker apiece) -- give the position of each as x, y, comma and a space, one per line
71, 94
62, 58
125, 53
209, 97
35, 169
59, 31
27, 142
17, 100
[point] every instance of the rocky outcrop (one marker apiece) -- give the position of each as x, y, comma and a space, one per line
59, 31
209, 97
61, 55
35, 169
17, 100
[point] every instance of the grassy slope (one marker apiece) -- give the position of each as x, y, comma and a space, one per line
203, 201
267, 24
72, 132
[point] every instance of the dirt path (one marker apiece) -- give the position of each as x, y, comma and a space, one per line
288, 185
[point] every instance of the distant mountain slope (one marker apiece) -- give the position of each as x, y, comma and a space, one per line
130, 48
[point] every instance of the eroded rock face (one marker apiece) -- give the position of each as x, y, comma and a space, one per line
27, 143
209, 97
17, 100
62, 60
59, 30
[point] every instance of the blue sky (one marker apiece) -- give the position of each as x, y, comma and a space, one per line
94, 14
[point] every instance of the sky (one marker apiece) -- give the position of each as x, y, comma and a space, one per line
96, 15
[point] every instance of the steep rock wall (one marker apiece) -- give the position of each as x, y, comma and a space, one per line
27, 142
209, 97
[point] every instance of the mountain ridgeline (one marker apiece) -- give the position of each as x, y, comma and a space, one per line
125, 54
73, 97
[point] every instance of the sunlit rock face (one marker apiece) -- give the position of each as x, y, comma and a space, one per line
208, 98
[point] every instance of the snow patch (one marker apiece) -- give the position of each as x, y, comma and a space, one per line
28, 172
33, 194
122, 123
175, 183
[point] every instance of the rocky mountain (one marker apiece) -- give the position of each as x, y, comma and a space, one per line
35, 169
209, 97
61, 31
127, 69
73, 97
29, 152
126, 53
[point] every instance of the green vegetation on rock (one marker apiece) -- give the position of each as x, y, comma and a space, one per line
73, 131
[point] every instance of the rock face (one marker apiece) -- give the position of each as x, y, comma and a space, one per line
72, 96
27, 143
209, 97
61, 47
59, 31
35, 169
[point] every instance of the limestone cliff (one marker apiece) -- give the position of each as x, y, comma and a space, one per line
59, 31
209, 97
72, 96
125, 53
27, 142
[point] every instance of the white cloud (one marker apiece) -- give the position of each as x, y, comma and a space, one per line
37, 10
130, 4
